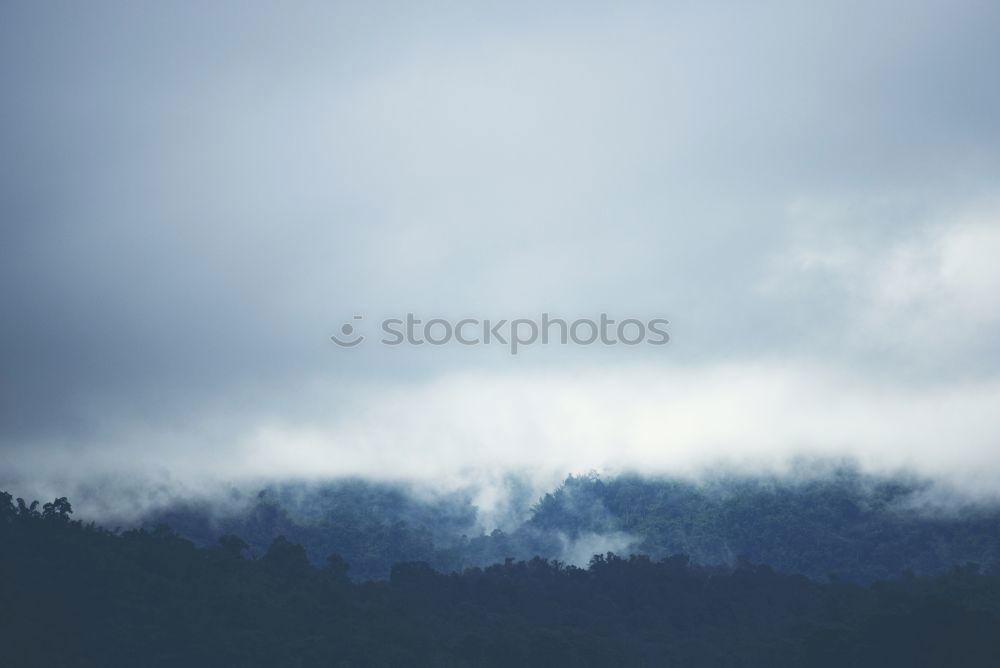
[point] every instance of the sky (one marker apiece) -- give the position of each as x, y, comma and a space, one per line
194, 198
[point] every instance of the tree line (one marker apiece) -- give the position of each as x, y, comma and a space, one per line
76, 594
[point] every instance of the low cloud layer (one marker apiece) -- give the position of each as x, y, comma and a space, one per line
474, 429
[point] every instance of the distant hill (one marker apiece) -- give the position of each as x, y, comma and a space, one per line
839, 523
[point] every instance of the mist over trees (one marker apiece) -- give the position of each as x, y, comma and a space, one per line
836, 569
79, 595
840, 523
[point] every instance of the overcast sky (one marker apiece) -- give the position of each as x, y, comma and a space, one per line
194, 198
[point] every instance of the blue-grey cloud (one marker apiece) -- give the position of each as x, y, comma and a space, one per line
194, 198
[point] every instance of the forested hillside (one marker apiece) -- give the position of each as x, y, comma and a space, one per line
77, 595
845, 524
840, 523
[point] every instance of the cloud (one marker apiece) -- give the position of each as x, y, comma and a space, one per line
474, 429
186, 220
666, 420
927, 298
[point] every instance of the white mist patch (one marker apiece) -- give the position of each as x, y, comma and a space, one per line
578, 551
